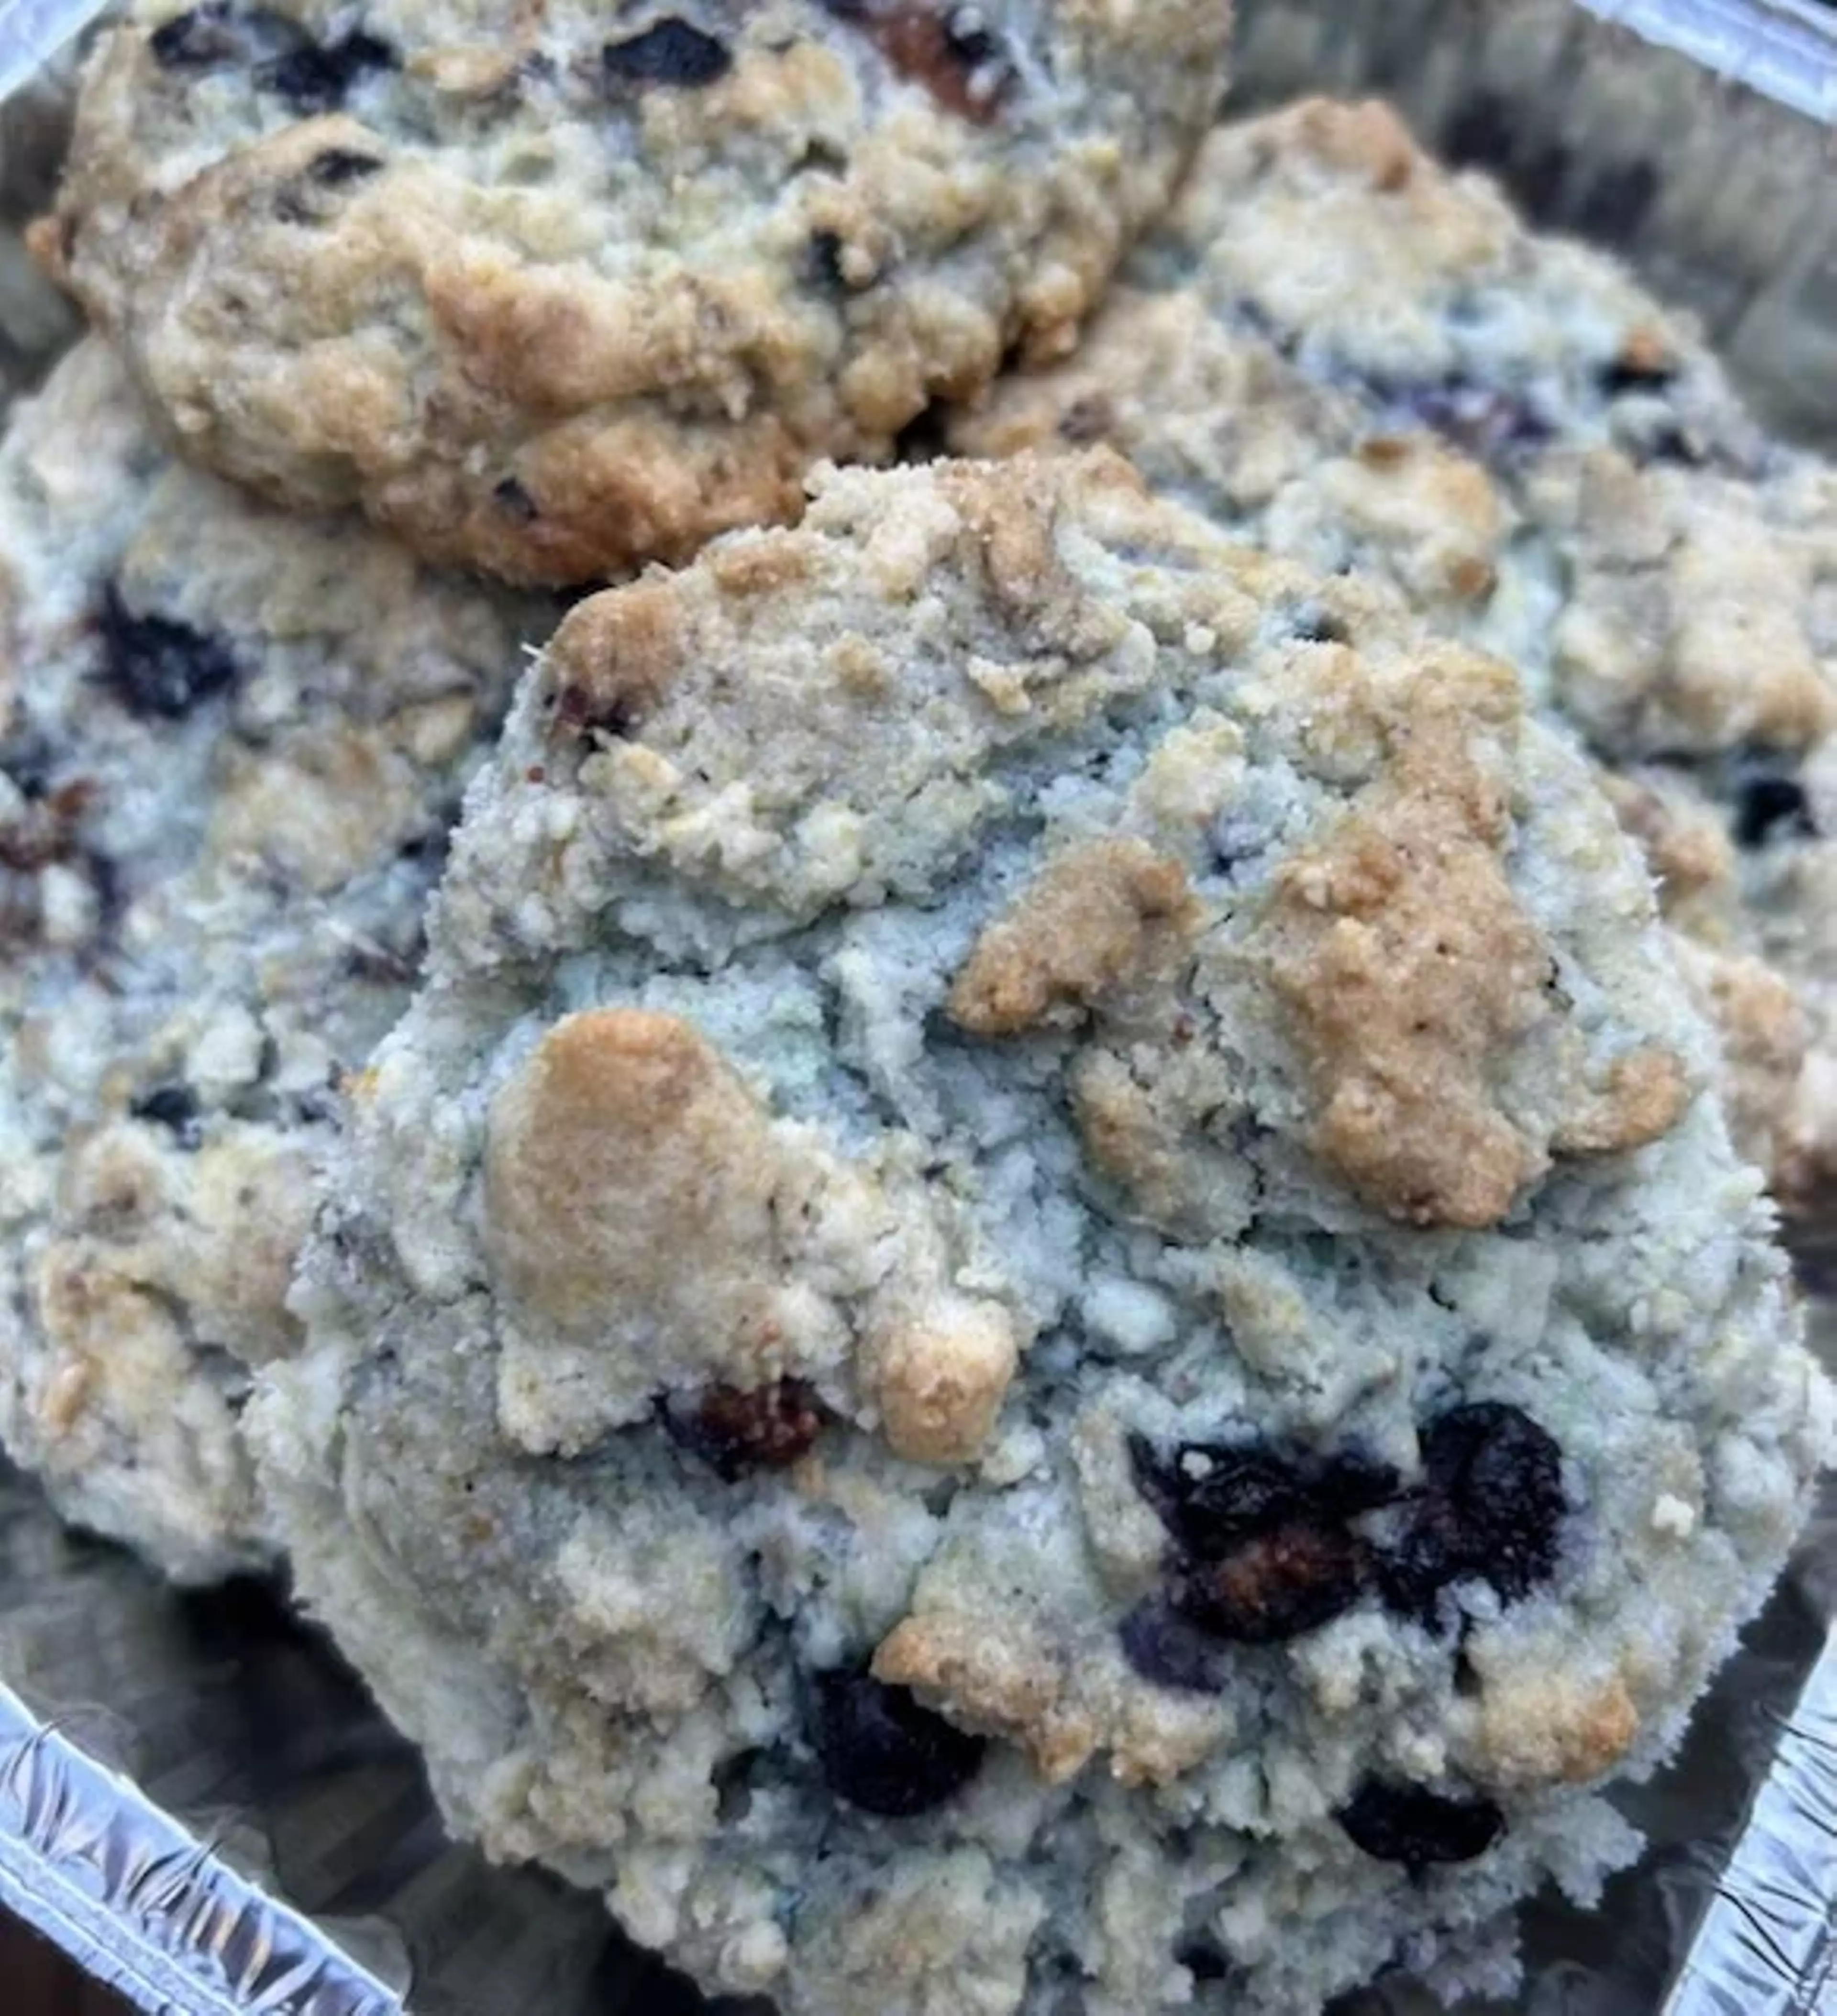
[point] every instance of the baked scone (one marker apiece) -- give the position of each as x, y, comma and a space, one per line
236, 744
1339, 350
550, 292
1041, 1311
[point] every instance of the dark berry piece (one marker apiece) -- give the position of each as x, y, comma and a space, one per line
1164, 1648
884, 1752
671, 52
1088, 419
195, 39
735, 1430
579, 712
1275, 1585
1490, 1508
173, 1106
1210, 1497
1765, 804
1203, 1960
515, 501
1312, 624
1352, 1482
826, 262
337, 167
1408, 1824
949, 51
318, 77
156, 668
311, 196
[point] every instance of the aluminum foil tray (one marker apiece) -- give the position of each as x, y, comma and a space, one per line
198, 1802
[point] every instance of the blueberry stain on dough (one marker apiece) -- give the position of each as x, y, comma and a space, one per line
671, 52
1169, 1651
1490, 1509
158, 669
1485, 421
884, 1752
1409, 1824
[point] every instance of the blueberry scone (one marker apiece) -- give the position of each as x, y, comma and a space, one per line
231, 747
1041, 1312
1339, 350
550, 290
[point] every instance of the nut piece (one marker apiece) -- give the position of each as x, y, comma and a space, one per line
942, 1376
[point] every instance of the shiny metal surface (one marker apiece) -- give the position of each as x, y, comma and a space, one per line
172, 1765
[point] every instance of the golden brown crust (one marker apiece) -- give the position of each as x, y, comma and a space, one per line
1095, 918
1006, 1681
1411, 970
941, 1377
1545, 1727
1644, 1096
624, 1143
551, 313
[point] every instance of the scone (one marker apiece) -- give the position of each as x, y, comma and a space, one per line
231, 746
550, 291
1342, 351
1041, 1312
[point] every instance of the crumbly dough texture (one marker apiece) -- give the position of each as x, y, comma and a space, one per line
1339, 350
550, 292
906, 1053
230, 748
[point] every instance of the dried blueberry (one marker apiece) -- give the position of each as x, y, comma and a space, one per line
1163, 1648
671, 52
515, 501
305, 199
735, 1430
1352, 1482
1766, 803
884, 1752
1408, 1824
195, 39
159, 669
1490, 1508
1312, 624
826, 261
1274, 1586
949, 51
317, 77
1210, 1497
173, 1106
